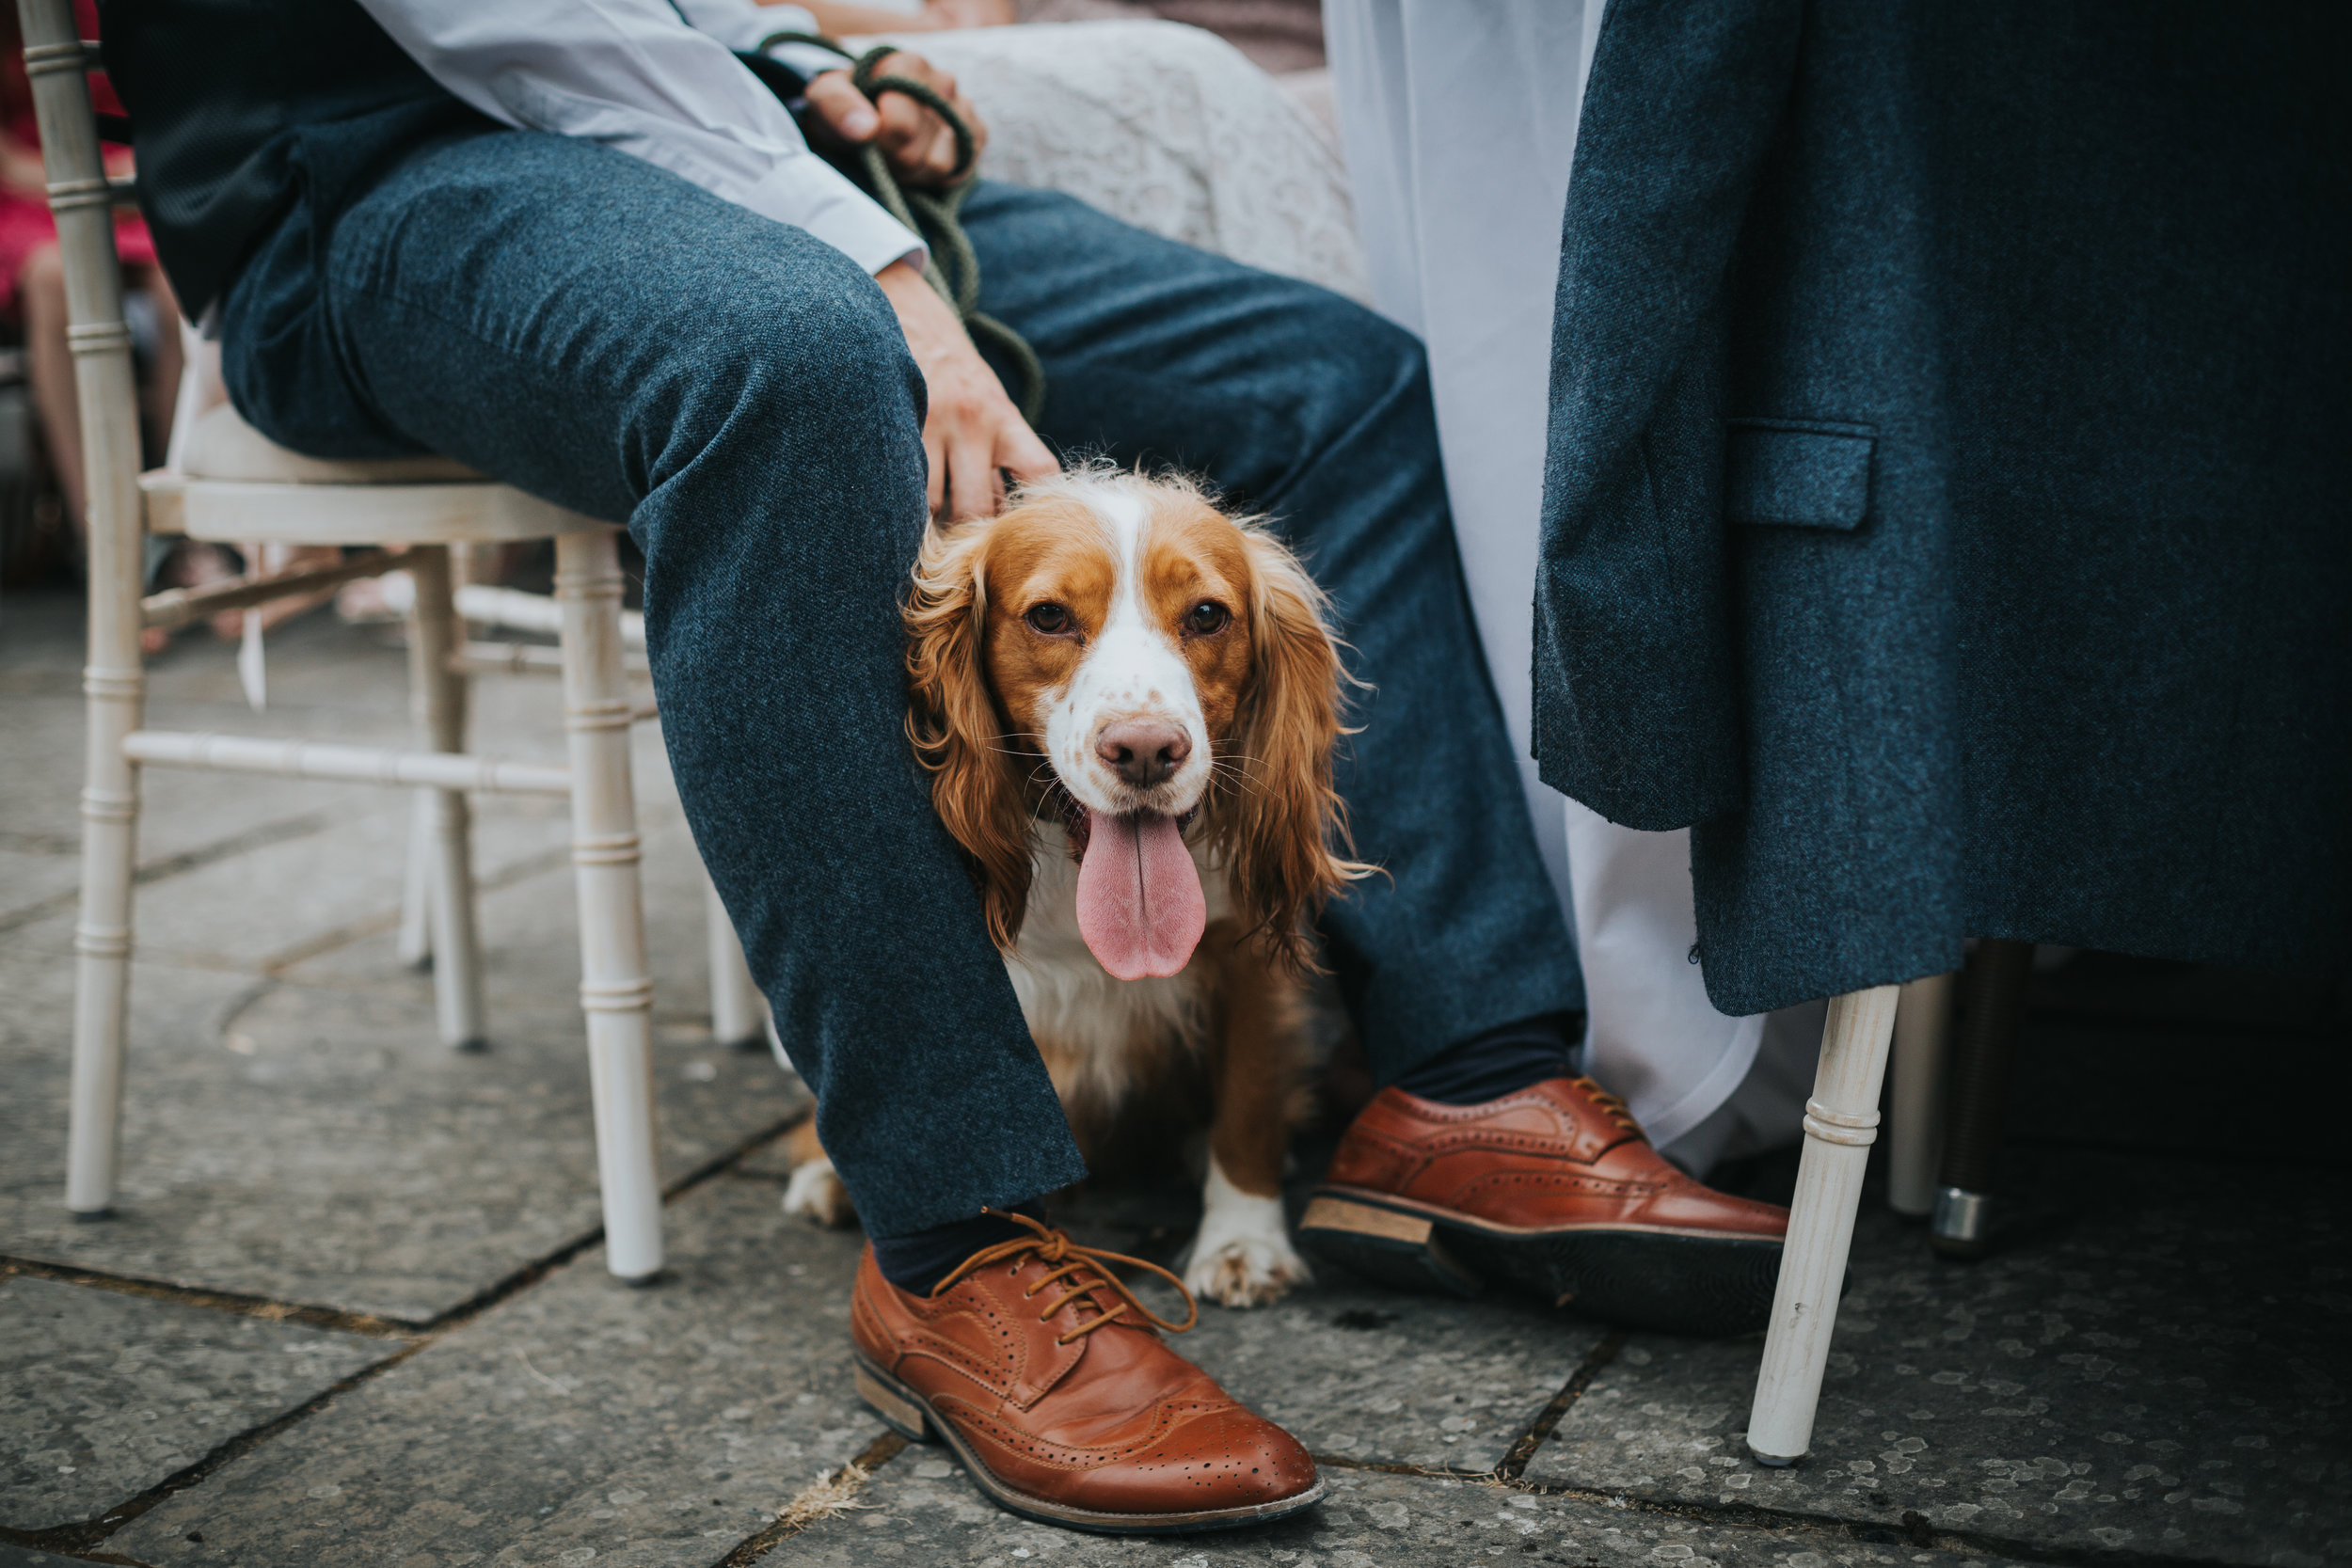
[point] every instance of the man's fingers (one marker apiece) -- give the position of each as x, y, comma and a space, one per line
917, 142
1021, 453
915, 139
935, 470
977, 492
940, 156
905, 124
844, 108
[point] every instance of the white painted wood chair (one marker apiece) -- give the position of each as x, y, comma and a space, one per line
236, 487
1840, 1123
738, 1014
1915, 1094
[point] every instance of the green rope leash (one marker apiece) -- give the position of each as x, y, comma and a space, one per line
954, 268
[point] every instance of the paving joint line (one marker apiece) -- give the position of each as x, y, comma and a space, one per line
284, 831
89, 1532
234, 1303
18, 1538
876, 1454
77, 1538
1514, 1463
39, 844
522, 870
1912, 1530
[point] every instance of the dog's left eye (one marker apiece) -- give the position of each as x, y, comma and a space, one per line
1051, 619
1207, 617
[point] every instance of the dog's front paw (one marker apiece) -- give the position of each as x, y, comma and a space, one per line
815, 1193
1246, 1268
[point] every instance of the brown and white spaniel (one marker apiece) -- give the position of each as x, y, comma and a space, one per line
1128, 700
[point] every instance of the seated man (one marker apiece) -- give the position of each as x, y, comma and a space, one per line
577, 246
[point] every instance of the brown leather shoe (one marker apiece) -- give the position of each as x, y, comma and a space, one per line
1553, 1188
1043, 1372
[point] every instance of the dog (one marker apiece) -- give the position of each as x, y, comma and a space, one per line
1128, 701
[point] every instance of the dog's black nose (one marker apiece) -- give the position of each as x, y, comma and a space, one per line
1143, 751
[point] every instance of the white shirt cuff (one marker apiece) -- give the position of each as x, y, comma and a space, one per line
810, 60
810, 193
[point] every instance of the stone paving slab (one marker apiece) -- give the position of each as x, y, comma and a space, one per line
19, 1556
580, 1419
320, 1146
104, 1395
329, 681
333, 865
1374, 1376
919, 1508
324, 886
1353, 1369
185, 813
2159, 1368
29, 879
529, 928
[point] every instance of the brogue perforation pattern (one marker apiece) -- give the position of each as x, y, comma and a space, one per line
984, 1426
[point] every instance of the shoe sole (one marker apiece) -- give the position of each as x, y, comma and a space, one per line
1668, 1281
908, 1414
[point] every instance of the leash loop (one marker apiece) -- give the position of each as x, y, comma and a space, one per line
953, 268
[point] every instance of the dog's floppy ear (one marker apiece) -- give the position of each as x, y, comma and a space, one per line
953, 722
1282, 827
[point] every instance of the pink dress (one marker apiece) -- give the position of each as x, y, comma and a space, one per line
25, 225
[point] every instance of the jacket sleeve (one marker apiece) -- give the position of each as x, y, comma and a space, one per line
633, 75
1636, 710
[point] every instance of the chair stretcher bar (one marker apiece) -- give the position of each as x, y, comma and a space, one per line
378, 765
180, 606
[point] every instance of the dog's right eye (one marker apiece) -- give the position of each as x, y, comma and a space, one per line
1051, 619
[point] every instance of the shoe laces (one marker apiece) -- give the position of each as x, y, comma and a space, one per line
1082, 1271
1610, 1105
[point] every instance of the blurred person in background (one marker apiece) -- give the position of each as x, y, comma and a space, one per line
1460, 124
32, 297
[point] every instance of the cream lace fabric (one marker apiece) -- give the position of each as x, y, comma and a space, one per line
1164, 127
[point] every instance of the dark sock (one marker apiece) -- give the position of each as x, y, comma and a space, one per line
917, 1263
1490, 1066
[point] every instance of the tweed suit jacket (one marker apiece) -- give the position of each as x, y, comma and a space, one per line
1946, 498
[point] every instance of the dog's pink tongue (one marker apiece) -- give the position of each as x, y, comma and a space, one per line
1139, 904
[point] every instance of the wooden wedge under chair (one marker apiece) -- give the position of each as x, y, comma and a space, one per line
234, 487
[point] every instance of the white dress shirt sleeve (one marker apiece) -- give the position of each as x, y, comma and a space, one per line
633, 75
743, 24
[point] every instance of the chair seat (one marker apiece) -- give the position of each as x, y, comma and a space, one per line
236, 485
221, 445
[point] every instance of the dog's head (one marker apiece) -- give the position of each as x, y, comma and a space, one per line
1115, 649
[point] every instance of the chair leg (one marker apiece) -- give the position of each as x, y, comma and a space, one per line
1915, 1131
114, 681
113, 685
1840, 1124
737, 1011
415, 947
1993, 991
615, 989
440, 696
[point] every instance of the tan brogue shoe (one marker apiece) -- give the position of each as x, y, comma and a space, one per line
1553, 1188
1045, 1375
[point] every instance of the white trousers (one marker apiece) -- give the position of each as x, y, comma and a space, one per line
1460, 124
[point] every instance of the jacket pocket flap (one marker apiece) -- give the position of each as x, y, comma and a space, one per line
1808, 474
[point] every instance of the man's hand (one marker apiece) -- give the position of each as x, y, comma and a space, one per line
920, 148
972, 430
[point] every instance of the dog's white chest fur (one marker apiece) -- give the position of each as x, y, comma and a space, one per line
1087, 1023
1092, 1029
